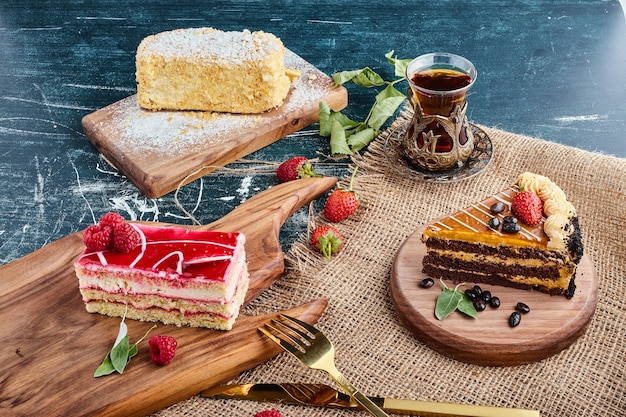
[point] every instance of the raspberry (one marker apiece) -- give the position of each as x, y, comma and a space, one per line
162, 349
268, 413
98, 238
111, 219
125, 237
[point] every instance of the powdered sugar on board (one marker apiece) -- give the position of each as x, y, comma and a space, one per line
180, 132
157, 150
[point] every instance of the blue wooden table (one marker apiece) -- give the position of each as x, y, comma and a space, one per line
552, 69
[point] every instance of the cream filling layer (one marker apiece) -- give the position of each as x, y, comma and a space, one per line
206, 319
497, 260
184, 307
113, 280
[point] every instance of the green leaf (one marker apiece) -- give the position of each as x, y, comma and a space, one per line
105, 368
133, 350
119, 355
122, 332
338, 142
399, 64
361, 139
365, 77
386, 104
447, 302
324, 115
466, 306
328, 116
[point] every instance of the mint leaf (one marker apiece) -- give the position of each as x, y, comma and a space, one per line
105, 368
327, 116
452, 299
133, 350
386, 104
365, 77
466, 306
399, 64
447, 302
357, 135
338, 141
361, 139
119, 355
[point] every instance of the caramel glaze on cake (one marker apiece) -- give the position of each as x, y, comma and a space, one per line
175, 276
464, 248
211, 70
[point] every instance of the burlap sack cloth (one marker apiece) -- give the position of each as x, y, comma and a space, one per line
381, 357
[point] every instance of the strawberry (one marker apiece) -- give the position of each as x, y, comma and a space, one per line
528, 207
125, 237
98, 238
111, 219
162, 349
327, 240
341, 203
295, 168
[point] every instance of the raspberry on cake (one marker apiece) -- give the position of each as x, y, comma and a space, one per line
172, 275
487, 243
211, 70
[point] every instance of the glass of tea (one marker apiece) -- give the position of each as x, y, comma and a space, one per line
439, 137
440, 81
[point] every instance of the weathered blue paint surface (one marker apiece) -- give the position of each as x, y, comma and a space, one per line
549, 69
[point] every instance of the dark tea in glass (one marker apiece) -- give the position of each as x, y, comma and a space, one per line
439, 137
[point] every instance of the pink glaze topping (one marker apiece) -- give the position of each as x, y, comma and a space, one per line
173, 250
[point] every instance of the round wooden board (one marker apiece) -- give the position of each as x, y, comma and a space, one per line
553, 323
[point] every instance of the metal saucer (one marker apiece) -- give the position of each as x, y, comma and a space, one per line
477, 162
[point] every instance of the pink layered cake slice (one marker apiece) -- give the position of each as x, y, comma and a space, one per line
172, 275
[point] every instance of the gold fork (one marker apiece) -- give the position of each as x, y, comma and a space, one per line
314, 350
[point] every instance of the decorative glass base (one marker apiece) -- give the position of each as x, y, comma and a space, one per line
478, 161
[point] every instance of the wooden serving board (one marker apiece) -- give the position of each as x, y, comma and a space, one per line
51, 345
160, 150
553, 324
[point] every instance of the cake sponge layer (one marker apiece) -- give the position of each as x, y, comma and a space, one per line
178, 313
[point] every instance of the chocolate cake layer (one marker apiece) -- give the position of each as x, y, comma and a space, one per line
493, 279
544, 272
500, 251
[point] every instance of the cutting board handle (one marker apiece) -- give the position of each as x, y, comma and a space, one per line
260, 219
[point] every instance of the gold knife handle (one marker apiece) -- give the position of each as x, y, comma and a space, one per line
356, 394
437, 409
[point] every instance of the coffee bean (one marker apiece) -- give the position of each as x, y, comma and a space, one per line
514, 319
522, 308
427, 283
479, 304
470, 294
511, 227
477, 290
494, 302
497, 207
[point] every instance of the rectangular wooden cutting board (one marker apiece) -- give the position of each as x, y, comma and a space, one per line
159, 151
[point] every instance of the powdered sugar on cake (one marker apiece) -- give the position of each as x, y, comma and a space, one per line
212, 45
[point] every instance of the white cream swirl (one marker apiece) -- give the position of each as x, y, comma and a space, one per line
557, 209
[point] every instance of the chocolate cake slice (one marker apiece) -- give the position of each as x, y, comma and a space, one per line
476, 245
